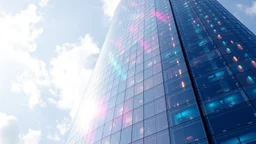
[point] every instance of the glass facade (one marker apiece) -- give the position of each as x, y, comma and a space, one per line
171, 72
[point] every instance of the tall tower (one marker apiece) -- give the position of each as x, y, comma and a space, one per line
171, 72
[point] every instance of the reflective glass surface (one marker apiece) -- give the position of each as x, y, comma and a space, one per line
171, 71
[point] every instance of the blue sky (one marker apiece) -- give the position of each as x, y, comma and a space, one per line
48, 50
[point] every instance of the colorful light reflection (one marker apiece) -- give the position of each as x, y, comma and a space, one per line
160, 15
117, 67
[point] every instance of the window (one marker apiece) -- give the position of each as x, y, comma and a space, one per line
130, 82
138, 115
128, 105
139, 88
107, 129
180, 97
232, 119
129, 93
157, 68
148, 95
149, 110
158, 79
120, 97
115, 138
127, 119
208, 66
121, 87
110, 114
245, 136
213, 77
138, 142
112, 102
148, 72
98, 133
118, 110
183, 114
247, 78
106, 140
160, 105
161, 122
117, 123
171, 86
149, 126
150, 139
137, 131
163, 137
224, 101
138, 101
175, 72
126, 136
218, 88
187, 133
139, 77
251, 91
148, 83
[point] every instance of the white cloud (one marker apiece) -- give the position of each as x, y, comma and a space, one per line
9, 130
10, 134
55, 137
69, 72
109, 7
250, 10
62, 128
32, 137
43, 3
18, 34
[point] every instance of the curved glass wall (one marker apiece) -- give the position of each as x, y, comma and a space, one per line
178, 71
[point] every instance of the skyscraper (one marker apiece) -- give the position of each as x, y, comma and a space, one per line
171, 72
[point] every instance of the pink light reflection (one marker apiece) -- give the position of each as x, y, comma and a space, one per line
134, 4
143, 45
133, 29
159, 15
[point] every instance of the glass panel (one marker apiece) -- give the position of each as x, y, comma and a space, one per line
247, 78
110, 114
138, 101
118, 110
137, 131
225, 101
251, 91
180, 83
107, 129
150, 140
232, 119
128, 105
138, 115
117, 123
183, 114
187, 133
127, 119
180, 97
160, 105
149, 126
149, 110
106, 140
163, 137
115, 138
126, 136
161, 122
245, 136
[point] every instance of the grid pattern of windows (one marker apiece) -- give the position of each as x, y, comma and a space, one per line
220, 52
128, 85
171, 71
